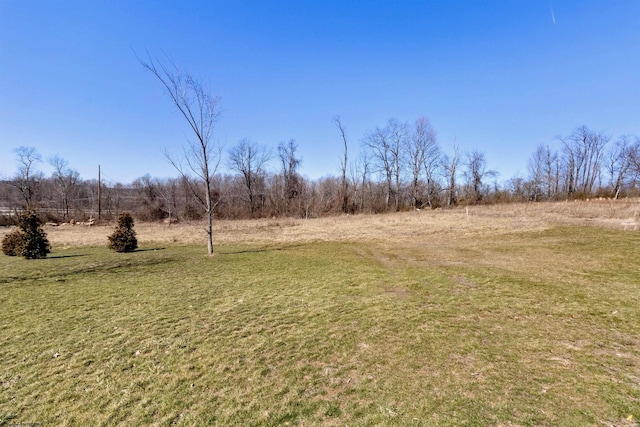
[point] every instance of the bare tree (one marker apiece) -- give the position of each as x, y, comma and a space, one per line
27, 176
379, 144
151, 204
65, 180
634, 156
422, 155
583, 152
619, 164
386, 146
517, 187
398, 132
292, 180
309, 194
475, 173
450, 166
544, 174
343, 166
551, 170
168, 190
200, 109
359, 176
415, 159
249, 160
536, 166
432, 162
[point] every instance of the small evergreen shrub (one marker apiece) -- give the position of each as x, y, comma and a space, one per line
124, 238
11, 243
35, 244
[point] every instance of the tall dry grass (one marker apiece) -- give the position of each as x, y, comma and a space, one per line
415, 225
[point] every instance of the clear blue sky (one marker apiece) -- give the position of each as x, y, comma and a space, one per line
495, 76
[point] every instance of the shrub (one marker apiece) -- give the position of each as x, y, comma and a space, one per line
34, 243
11, 243
123, 238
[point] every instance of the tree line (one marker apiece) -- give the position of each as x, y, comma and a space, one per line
400, 166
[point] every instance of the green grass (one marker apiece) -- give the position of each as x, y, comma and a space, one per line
526, 329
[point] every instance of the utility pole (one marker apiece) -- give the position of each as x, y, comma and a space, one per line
99, 198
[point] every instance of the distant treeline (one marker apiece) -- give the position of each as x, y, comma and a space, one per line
400, 166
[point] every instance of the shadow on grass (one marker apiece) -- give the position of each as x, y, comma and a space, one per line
148, 249
110, 265
65, 256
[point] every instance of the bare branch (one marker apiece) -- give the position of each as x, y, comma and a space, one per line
194, 102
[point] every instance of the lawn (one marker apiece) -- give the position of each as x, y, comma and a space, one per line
531, 327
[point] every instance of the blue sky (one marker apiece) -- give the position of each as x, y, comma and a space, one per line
499, 77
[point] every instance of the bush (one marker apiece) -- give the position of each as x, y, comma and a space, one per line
33, 243
11, 243
124, 238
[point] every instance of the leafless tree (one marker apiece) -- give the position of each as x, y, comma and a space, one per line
450, 167
152, 204
622, 164
379, 144
114, 199
536, 166
583, 153
309, 195
65, 179
386, 146
415, 159
432, 163
544, 174
423, 154
475, 173
517, 188
168, 190
634, 158
200, 109
343, 166
27, 176
551, 170
287, 152
359, 176
327, 195
249, 160
398, 132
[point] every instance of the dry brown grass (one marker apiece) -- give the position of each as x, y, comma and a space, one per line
404, 226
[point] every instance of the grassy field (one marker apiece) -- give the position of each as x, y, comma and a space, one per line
493, 317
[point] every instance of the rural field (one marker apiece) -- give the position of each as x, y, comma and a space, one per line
506, 315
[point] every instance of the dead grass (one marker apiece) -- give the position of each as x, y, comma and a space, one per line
415, 225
